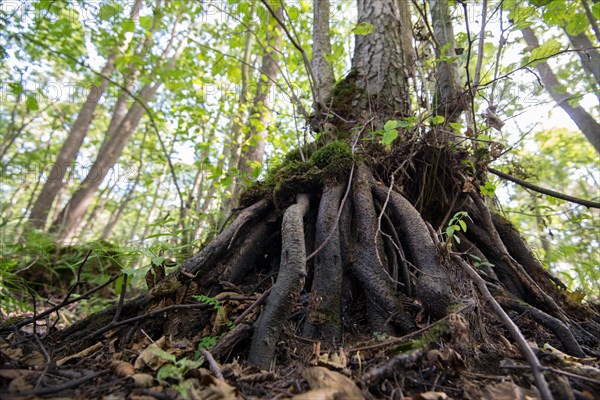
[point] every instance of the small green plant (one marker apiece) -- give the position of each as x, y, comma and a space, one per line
478, 262
175, 370
456, 224
488, 189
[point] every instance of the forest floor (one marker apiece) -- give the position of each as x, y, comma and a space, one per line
436, 362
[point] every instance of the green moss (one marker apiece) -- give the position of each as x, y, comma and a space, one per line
294, 178
330, 153
283, 182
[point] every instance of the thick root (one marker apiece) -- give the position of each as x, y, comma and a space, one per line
324, 319
286, 290
432, 286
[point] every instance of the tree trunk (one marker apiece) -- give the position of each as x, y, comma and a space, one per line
256, 138
584, 121
322, 68
383, 61
68, 152
450, 102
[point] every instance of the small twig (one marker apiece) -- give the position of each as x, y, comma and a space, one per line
557, 371
60, 388
214, 367
121, 298
548, 192
78, 277
257, 303
530, 356
59, 306
46, 358
407, 336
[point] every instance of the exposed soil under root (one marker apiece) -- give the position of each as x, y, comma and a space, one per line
352, 278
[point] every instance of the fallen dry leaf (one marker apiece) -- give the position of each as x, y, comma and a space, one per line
81, 354
508, 391
431, 396
215, 389
142, 380
122, 369
322, 378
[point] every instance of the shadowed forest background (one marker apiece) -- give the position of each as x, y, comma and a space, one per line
162, 154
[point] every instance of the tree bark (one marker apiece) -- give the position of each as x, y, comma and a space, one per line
383, 60
322, 69
449, 102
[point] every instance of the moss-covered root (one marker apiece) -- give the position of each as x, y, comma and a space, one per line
382, 304
324, 319
285, 292
432, 286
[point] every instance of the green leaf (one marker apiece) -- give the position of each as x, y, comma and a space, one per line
546, 50
107, 12
437, 119
161, 353
293, 12
157, 260
577, 24
128, 26
146, 22
364, 28
168, 371
32, 103
16, 88
463, 225
391, 124
389, 136
450, 230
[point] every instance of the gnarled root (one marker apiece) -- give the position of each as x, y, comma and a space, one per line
286, 290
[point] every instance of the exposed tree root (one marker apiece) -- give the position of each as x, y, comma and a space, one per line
556, 326
382, 304
432, 286
324, 318
287, 288
372, 254
536, 367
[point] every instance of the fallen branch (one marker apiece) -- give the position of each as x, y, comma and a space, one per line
536, 366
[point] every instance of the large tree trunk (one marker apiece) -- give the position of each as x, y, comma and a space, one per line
383, 60
78, 132
74, 211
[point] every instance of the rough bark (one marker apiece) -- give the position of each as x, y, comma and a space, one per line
584, 121
322, 69
383, 60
